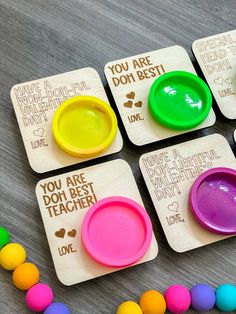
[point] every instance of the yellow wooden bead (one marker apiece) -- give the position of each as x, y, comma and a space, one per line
129, 307
25, 276
12, 255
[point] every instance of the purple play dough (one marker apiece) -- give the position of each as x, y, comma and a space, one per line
213, 200
202, 297
57, 308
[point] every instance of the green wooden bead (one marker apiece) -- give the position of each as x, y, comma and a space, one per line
4, 237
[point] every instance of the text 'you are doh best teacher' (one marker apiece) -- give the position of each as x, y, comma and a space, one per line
78, 194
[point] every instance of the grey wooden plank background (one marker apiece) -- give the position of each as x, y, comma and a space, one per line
41, 38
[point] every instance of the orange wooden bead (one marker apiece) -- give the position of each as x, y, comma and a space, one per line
25, 276
152, 302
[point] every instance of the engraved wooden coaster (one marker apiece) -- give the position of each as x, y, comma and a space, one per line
216, 56
169, 174
35, 103
130, 80
63, 202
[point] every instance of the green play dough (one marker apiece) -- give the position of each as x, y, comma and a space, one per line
4, 237
179, 100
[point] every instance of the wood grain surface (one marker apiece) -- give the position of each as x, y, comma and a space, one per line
43, 38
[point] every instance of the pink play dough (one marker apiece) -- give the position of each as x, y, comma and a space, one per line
116, 231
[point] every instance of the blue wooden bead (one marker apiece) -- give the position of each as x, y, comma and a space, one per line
226, 297
203, 297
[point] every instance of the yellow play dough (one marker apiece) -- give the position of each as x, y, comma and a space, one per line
84, 126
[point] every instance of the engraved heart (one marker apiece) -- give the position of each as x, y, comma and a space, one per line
39, 132
228, 80
60, 233
128, 104
219, 80
173, 207
72, 233
138, 104
130, 95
